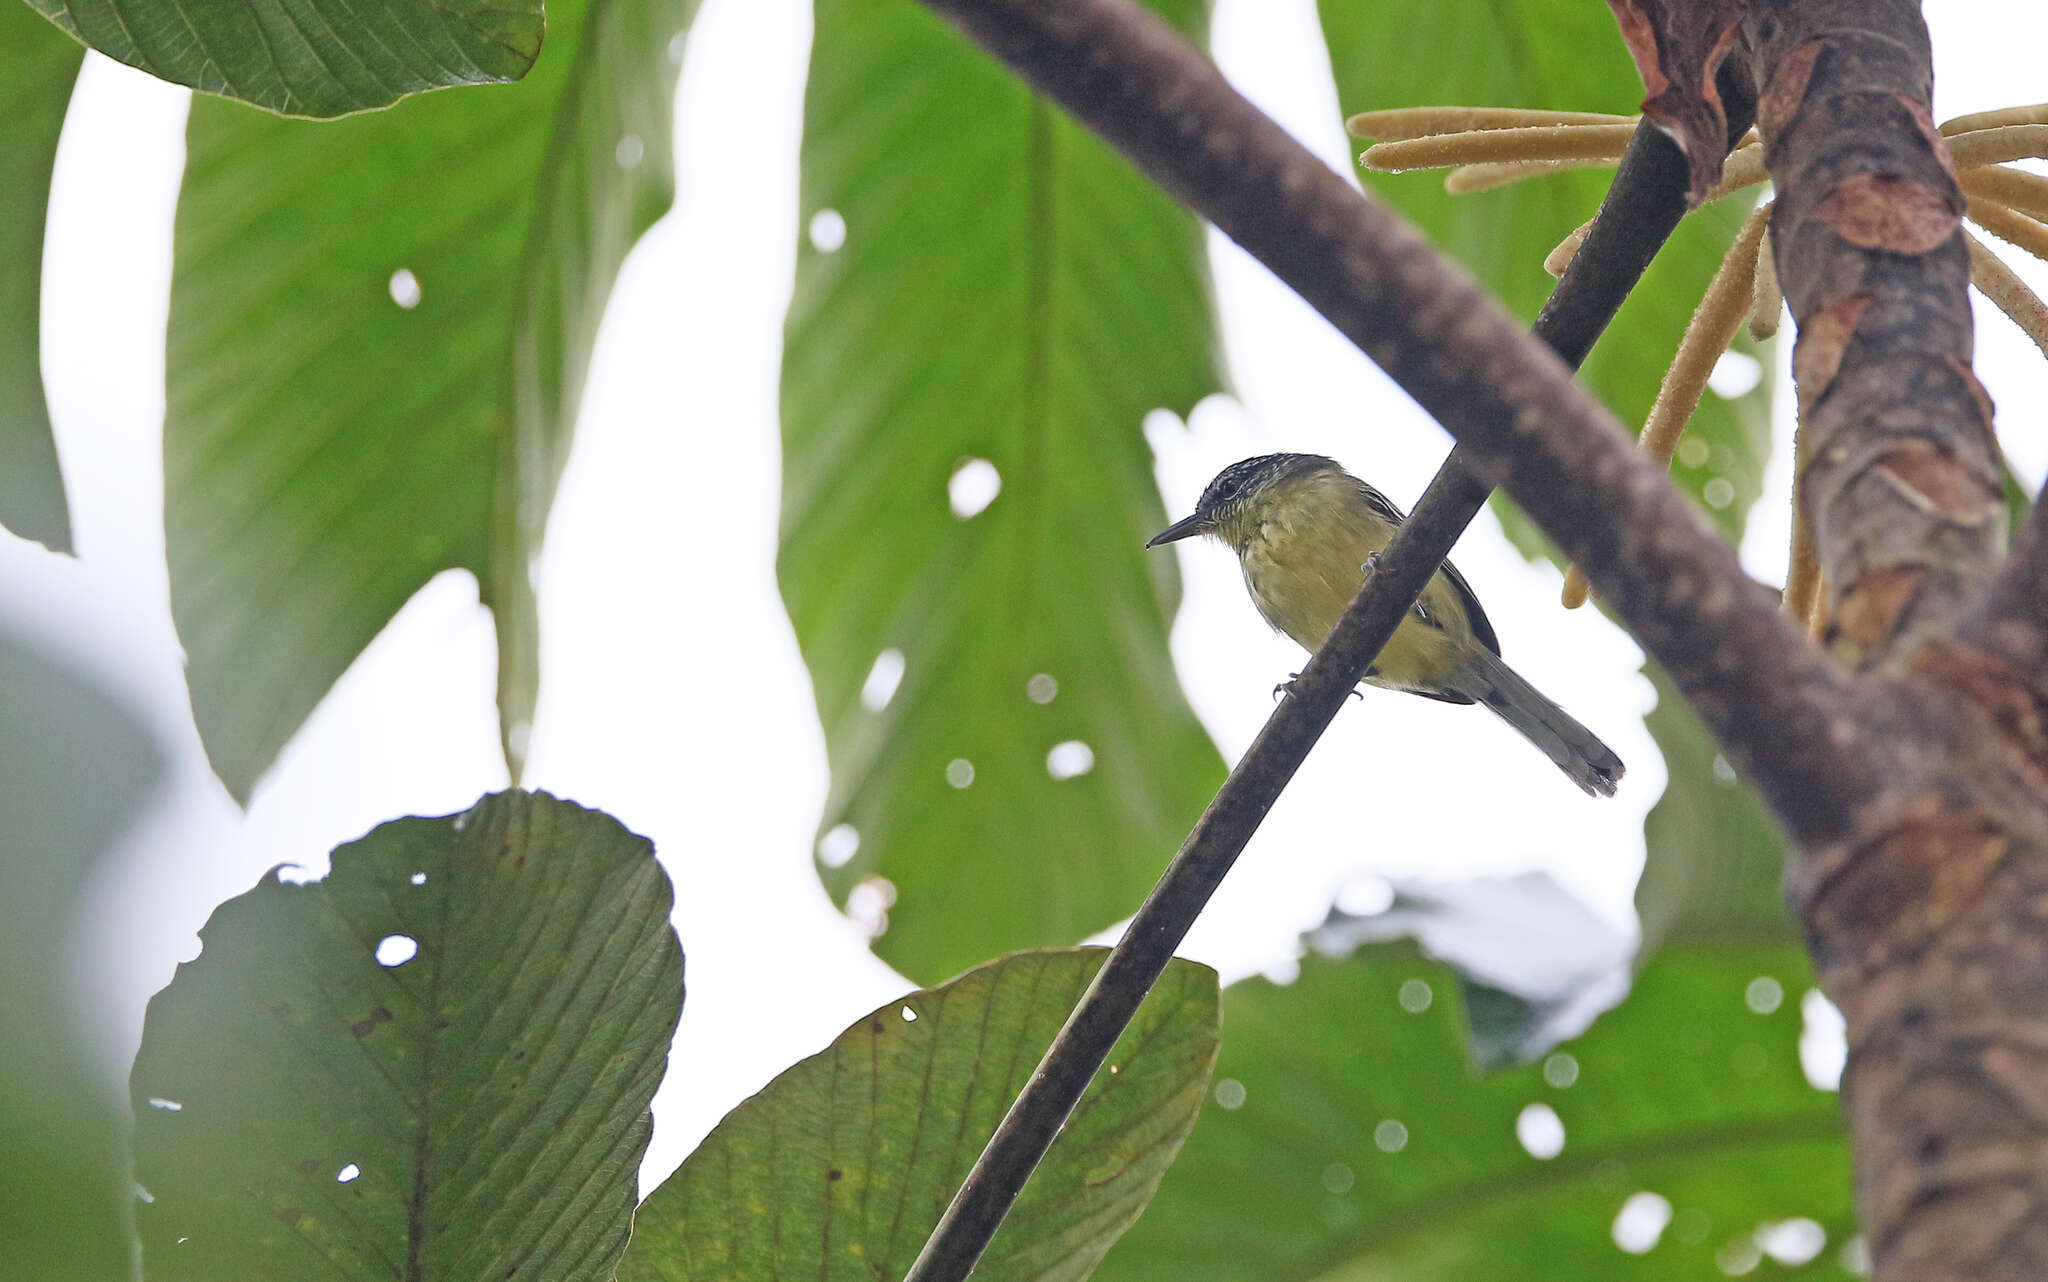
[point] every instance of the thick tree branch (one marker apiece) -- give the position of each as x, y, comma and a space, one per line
1784, 712
1930, 922
1642, 208
1900, 470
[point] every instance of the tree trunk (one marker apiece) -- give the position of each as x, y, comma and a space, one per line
1928, 918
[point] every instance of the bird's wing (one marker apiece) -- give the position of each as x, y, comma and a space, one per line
1482, 628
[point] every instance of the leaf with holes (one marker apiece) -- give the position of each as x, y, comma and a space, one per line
378, 335
1556, 54
840, 1168
37, 68
1677, 1141
435, 1063
304, 58
989, 304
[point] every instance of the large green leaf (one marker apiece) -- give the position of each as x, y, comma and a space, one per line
1356, 1142
378, 335
1008, 291
311, 57
1714, 867
840, 1168
1561, 54
74, 770
37, 68
313, 1101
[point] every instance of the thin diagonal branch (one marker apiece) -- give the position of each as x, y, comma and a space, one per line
1774, 703
1728, 298
1219, 836
1643, 206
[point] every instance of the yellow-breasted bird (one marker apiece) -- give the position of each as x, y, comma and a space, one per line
1305, 531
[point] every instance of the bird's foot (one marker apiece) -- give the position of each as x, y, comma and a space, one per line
1372, 563
1287, 687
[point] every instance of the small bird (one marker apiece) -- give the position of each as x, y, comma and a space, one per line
1306, 533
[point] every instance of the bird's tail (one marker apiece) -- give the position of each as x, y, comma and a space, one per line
1577, 751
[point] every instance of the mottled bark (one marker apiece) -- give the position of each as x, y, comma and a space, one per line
1929, 922
1901, 470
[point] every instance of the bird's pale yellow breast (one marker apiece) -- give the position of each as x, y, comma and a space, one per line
1303, 553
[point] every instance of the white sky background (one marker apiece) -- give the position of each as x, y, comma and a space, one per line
673, 695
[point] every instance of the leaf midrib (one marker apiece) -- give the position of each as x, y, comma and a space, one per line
1441, 1205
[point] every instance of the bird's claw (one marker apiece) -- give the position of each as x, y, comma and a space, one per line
1287, 687
1372, 563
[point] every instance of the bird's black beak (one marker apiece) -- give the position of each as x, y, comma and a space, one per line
1181, 529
